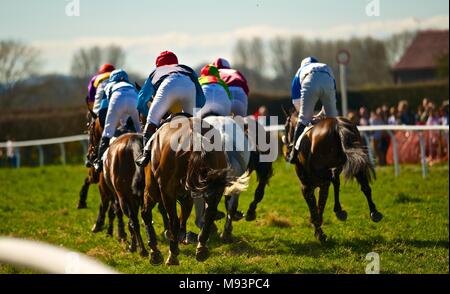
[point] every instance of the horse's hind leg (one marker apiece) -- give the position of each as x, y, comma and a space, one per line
323, 196
146, 213
308, 194
186, 209
165, 219
375, 215
103, 208
338, 211
264, 172
174, 227
122, 236
202, 252
111, 217
134, 226
84, 193
226, 236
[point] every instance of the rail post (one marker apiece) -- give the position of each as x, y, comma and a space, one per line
395, 151
41, 155
63, 153
423, 156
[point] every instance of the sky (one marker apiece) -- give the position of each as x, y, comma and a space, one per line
199, 31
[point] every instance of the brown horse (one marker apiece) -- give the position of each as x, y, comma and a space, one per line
333, 145
177, 175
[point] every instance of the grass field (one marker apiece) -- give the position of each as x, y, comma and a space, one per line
413, 237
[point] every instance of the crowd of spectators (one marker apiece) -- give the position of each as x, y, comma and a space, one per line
427, 113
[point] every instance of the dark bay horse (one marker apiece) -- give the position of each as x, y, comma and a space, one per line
175, 175
333, 145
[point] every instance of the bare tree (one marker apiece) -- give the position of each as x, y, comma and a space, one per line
86, 61
17, 62
397, 44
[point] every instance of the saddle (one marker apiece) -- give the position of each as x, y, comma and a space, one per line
315, 120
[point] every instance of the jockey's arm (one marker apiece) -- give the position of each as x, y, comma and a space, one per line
144, 96
295, 92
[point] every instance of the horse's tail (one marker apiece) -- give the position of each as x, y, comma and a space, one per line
358, 161
201, 178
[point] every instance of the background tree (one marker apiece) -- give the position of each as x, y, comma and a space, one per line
86, 61
18, 61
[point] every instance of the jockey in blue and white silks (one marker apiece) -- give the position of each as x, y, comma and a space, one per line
313, 81
122, 97
174, 88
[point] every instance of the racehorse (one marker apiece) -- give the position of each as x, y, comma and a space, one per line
178, 173
244, 160
331, 146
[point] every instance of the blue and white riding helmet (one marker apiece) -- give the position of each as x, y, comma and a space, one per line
309, 60
118, 75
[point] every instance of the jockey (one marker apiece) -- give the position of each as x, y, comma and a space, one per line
97, 85
313, 81
122, 96
217, 95
237, 85
175, 88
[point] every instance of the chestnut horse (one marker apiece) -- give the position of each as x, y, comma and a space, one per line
178, 173
333, 145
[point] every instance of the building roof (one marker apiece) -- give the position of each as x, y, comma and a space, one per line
424, 50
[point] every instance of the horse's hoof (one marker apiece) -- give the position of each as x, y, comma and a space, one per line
109, 232
191, 238
143, 253
132, 248
82, 205
376, 216
237, 216
97, 228
172, 260
226, 237
250, 216
202, 253
122, 236
341, 215
156, 258
321, 236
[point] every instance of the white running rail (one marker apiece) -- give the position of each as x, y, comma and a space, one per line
390, 129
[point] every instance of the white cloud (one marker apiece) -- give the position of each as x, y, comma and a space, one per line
201, 47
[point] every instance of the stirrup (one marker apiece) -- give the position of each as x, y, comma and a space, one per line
143, 159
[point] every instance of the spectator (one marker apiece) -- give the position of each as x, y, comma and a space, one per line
392, 120
404, 114
380, 141
444, 113
363, 116
11, 153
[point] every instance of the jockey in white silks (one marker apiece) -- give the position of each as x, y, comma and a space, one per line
313, 81
217, 95
237, 85
122, 96
171, 87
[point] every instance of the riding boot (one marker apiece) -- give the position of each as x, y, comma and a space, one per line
294, 152
146, 155
104, 144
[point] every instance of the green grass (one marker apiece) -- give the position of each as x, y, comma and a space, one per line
413, 237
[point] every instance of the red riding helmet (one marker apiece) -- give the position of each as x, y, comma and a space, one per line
106, 68
166, 58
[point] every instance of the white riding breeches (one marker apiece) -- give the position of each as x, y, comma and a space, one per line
216, 100
316, 86
175, 89
239, 105
122, 105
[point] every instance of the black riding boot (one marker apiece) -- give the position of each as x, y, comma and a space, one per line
146, 155
104, 144
294, 152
